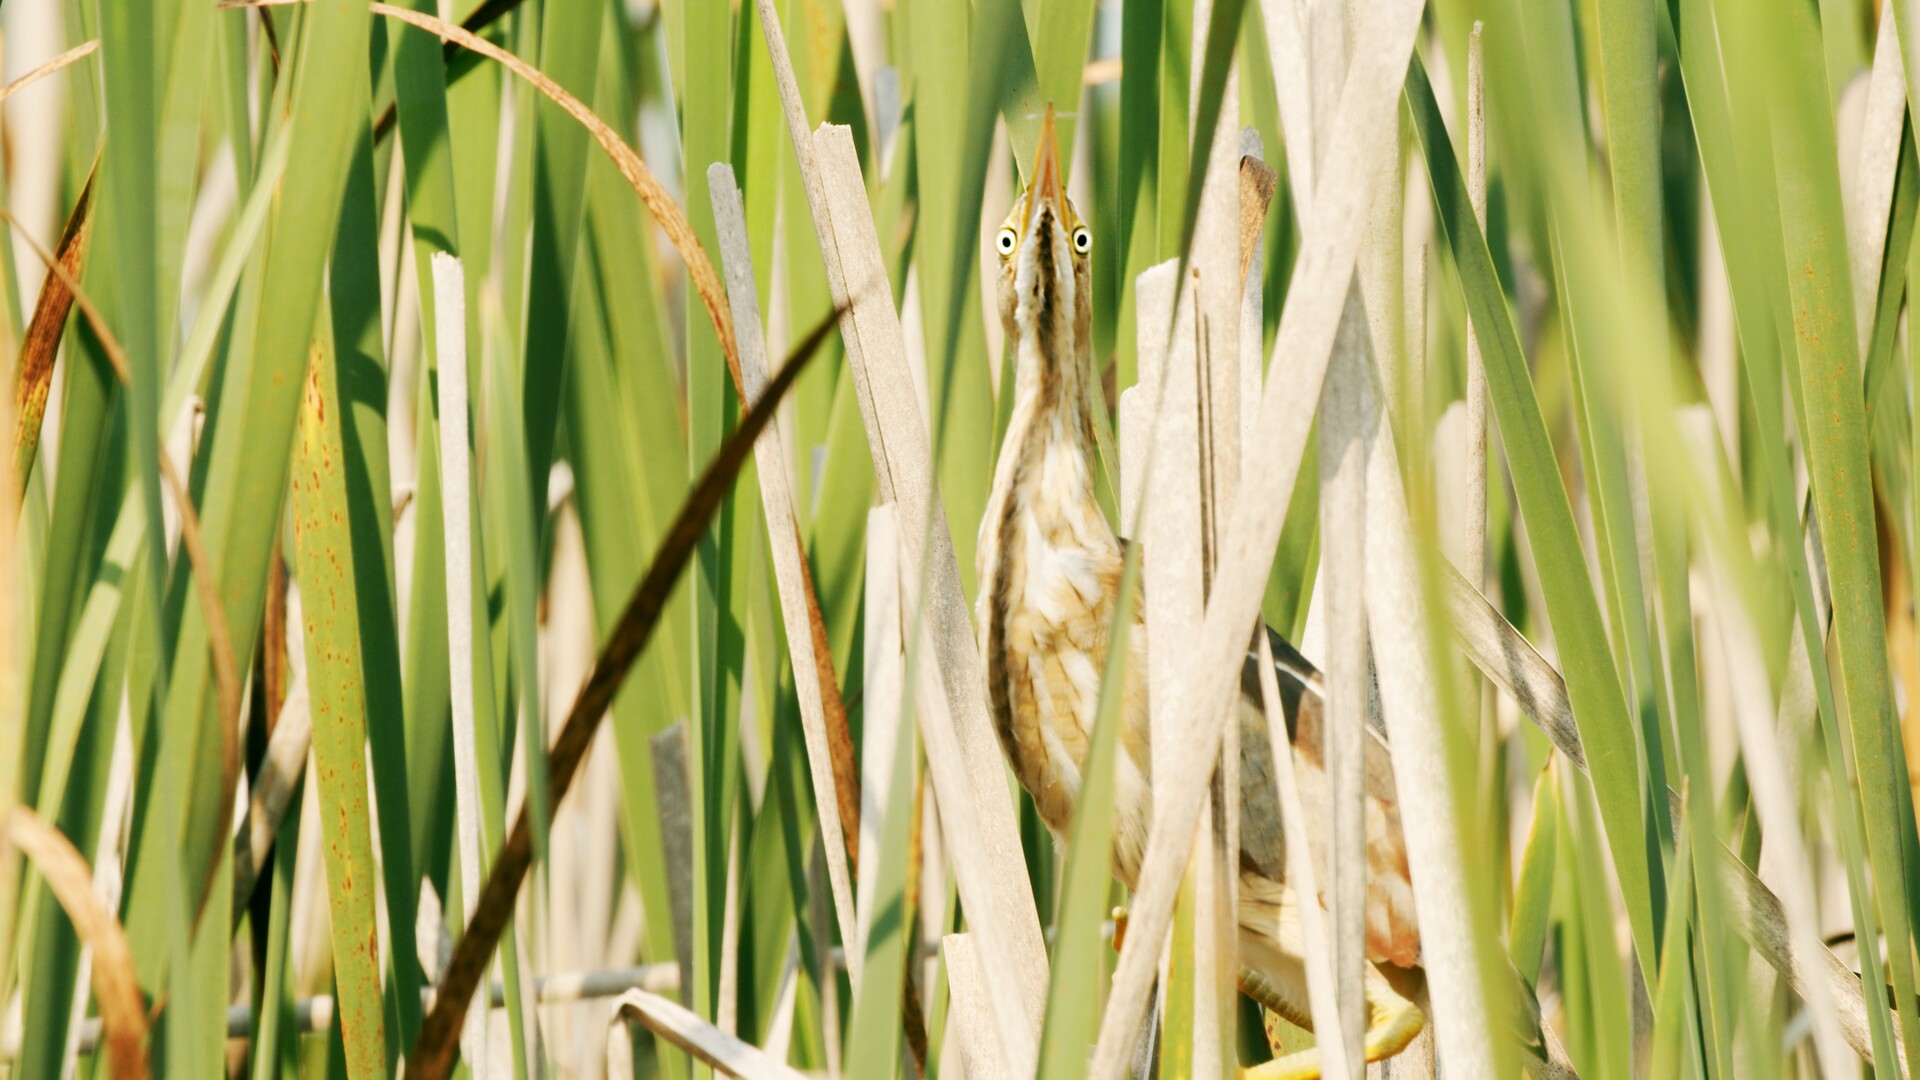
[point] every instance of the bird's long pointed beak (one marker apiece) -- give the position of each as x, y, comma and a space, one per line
1046, 187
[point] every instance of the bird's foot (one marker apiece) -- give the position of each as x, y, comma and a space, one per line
1393, 1022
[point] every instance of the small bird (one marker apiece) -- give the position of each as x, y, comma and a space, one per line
1049, 571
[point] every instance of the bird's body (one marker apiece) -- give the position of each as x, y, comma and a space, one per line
1050, 570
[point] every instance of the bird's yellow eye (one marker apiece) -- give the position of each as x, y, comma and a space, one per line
1082, 241
1006, 241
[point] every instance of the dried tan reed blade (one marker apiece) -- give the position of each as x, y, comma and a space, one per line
122, 1008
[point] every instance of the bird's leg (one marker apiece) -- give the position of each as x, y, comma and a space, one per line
1252, 983
1392, 1023
1392, 1020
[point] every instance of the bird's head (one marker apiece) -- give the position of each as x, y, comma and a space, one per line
1045, 289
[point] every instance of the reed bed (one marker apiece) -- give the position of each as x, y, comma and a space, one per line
489, 527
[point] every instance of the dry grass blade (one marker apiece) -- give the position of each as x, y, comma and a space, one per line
456, 481
972, 1018
44, 332
728, 1055
1258, 182
968, 772
226, 668
1510, 660
1307, 326
1763, 921
1784, 853
271, 793
1396, 608
1173, 599
1346, 407
432, 1054
85, 48
1217, 219
833, 707
659, 203
116, 356
839, 815
748, 385
122, 1010
962, 751
1870, 198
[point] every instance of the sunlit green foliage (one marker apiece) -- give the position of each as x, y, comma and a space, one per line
1689, 291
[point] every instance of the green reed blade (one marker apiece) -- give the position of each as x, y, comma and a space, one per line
1834, 434
1593, 683
874, 1037
361, 384
337, 690
247, 447
1739, 170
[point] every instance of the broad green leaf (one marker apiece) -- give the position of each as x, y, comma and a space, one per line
276, 1040
620, 500
337, 689
1834, 434
988, 57
1628, 47
717, 588
428, 156
1674, 991
1135, 246
570, 36
1593, 683
247, 447
1059, 59
361, 388
1222, 31
1176, 54
1533, 896
874, 1040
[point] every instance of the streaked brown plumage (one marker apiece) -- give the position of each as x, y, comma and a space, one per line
1049, 570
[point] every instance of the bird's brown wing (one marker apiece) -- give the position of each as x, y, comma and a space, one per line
1303, 699
1392, 931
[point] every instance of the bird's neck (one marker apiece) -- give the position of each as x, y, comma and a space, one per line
1047, 462
1049, 567
1052, 384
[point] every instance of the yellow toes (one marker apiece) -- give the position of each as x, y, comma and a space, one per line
1392, 1020
1304, 1065
1392, 1024
1396, 1021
